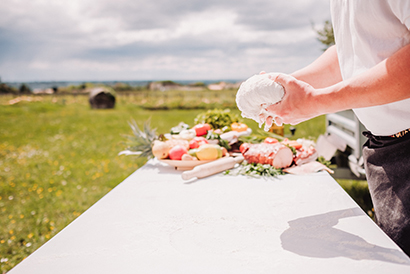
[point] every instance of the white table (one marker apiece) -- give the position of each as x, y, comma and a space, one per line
154, 222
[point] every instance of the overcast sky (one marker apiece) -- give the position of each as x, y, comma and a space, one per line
94, 40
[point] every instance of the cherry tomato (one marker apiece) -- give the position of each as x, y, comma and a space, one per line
197, 142
201, 129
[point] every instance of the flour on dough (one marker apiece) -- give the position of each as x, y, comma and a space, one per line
255, 95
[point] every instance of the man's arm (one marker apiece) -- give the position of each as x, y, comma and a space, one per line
323, 72
386, 82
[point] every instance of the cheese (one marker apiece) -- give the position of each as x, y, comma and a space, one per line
255, 95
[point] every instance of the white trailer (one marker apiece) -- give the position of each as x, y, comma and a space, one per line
344, 132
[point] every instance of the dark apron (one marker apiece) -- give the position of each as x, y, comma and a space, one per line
387, 164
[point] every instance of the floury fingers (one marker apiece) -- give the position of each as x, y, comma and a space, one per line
255, 95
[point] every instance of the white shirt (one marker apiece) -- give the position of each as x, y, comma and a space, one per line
366, 33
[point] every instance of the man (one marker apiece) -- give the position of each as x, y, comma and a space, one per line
368, 70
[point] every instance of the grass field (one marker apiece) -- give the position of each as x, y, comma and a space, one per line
58, 157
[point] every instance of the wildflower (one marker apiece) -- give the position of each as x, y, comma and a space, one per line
30, 235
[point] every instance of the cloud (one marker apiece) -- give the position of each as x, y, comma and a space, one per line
125, 39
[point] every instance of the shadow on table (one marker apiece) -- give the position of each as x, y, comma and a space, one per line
315, 236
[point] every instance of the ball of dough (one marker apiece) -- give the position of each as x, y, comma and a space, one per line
257, 93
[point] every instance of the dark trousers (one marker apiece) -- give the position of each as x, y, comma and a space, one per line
387, 164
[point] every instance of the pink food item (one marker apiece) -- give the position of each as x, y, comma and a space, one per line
177, 151
276, 155
305, 155
197, 142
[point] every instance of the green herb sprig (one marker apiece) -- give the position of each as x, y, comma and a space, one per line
217, 118
255, 170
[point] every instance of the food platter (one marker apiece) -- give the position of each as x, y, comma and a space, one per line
184, 165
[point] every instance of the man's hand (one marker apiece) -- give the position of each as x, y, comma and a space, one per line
298, 103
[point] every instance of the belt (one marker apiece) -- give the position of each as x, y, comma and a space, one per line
400, 134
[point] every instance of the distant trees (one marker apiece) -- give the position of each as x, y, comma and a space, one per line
4, 89
24, 89
326, 35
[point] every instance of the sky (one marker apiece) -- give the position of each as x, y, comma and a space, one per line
101, 40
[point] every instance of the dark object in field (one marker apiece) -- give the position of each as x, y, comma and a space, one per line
102, 98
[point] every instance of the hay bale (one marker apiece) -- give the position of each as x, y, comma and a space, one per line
102, 98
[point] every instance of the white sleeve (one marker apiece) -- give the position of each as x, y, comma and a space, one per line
401, 8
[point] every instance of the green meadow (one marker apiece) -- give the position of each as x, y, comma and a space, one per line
58, 156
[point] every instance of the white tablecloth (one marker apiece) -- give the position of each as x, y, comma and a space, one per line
154, 222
